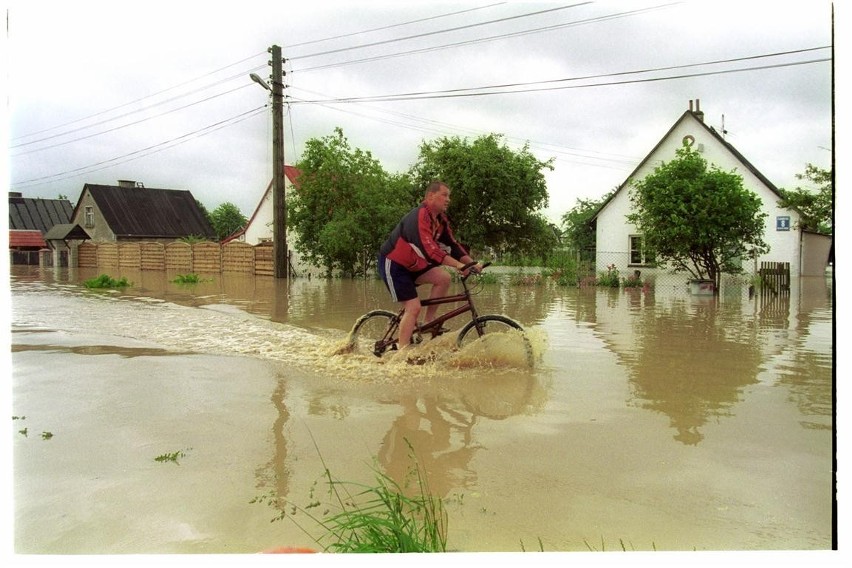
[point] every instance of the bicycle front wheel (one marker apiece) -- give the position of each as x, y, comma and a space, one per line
484, 326
370, 330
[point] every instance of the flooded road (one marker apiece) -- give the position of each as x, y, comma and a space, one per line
650, 420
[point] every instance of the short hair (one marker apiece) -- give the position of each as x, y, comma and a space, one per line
435, 186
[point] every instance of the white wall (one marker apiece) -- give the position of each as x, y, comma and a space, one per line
613, 230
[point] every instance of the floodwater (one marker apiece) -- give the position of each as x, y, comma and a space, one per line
649, 421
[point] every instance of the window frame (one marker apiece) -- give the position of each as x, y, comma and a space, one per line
89, 216
645, 259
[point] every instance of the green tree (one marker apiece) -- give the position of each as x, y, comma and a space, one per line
497, 193
226, 219
697, 219
578, 231
345, 206
815, 204
204, 211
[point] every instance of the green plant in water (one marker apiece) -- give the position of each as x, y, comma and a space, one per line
105, 281
46, 435
377, 518
521, 279
187, 279
609, 278
171, 457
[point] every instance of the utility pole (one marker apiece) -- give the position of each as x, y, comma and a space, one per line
279, 204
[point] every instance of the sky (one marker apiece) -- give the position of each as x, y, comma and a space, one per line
159, 92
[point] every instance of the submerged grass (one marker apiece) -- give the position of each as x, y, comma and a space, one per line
190, 278
106, 281
379, 518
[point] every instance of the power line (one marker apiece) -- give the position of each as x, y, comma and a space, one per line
438, 32
383, 28
241, 74
112, 109
482, 40
126, 125
513, 87
135, 155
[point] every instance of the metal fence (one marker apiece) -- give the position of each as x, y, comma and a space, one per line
615, 269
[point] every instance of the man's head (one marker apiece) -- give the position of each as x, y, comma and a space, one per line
437, 197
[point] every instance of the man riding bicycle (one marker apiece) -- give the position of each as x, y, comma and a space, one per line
414, 253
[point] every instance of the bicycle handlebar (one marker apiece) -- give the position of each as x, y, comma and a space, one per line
470, 265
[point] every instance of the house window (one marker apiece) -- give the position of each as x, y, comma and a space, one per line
638, 254
90, 216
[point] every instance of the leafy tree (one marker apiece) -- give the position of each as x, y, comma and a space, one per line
345, 206
698, 219
497, 194
578, 230
226, 219
816, 208
204, 211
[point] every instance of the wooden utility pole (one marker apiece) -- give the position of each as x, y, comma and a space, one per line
279, 204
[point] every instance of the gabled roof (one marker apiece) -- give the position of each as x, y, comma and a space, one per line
67, 232
33, 214
697, 116
291, 173
143, 212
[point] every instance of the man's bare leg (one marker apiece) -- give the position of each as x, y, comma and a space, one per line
440, 281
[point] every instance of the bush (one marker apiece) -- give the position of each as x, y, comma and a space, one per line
105, 281
609, 278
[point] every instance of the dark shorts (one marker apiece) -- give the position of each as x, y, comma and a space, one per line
399, 280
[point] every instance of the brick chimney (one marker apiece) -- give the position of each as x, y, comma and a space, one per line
697, 112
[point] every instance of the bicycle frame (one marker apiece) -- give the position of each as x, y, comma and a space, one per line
389, 340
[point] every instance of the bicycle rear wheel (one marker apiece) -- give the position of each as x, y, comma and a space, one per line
493, 324
370, 329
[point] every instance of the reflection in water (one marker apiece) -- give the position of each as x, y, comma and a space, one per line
692, 358
691, 364
570, 448
439, 426
442, 441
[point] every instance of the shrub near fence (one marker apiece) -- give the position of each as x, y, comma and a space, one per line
204, 257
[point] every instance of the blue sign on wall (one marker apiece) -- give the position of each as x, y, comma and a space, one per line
782, 223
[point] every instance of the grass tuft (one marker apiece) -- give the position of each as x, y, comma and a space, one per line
105, 281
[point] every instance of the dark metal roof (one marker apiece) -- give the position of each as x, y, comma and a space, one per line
34, 214
143, 212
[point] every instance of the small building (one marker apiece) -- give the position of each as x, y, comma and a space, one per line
130, 212
30, 219
258, 229
619, 243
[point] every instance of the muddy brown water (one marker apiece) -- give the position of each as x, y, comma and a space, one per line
650, 420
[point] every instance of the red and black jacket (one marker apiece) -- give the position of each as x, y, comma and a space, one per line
421, 240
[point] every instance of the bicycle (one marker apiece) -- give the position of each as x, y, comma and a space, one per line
377, 330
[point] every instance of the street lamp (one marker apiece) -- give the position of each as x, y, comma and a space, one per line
280, 260
256, 78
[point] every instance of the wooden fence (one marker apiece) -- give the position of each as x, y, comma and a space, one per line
201, 258
775, 277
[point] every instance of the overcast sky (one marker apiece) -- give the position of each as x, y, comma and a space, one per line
159, 92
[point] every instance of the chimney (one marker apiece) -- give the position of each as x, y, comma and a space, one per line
698, 114
129, 183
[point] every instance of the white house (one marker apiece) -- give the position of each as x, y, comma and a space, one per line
259, 227
618, 242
